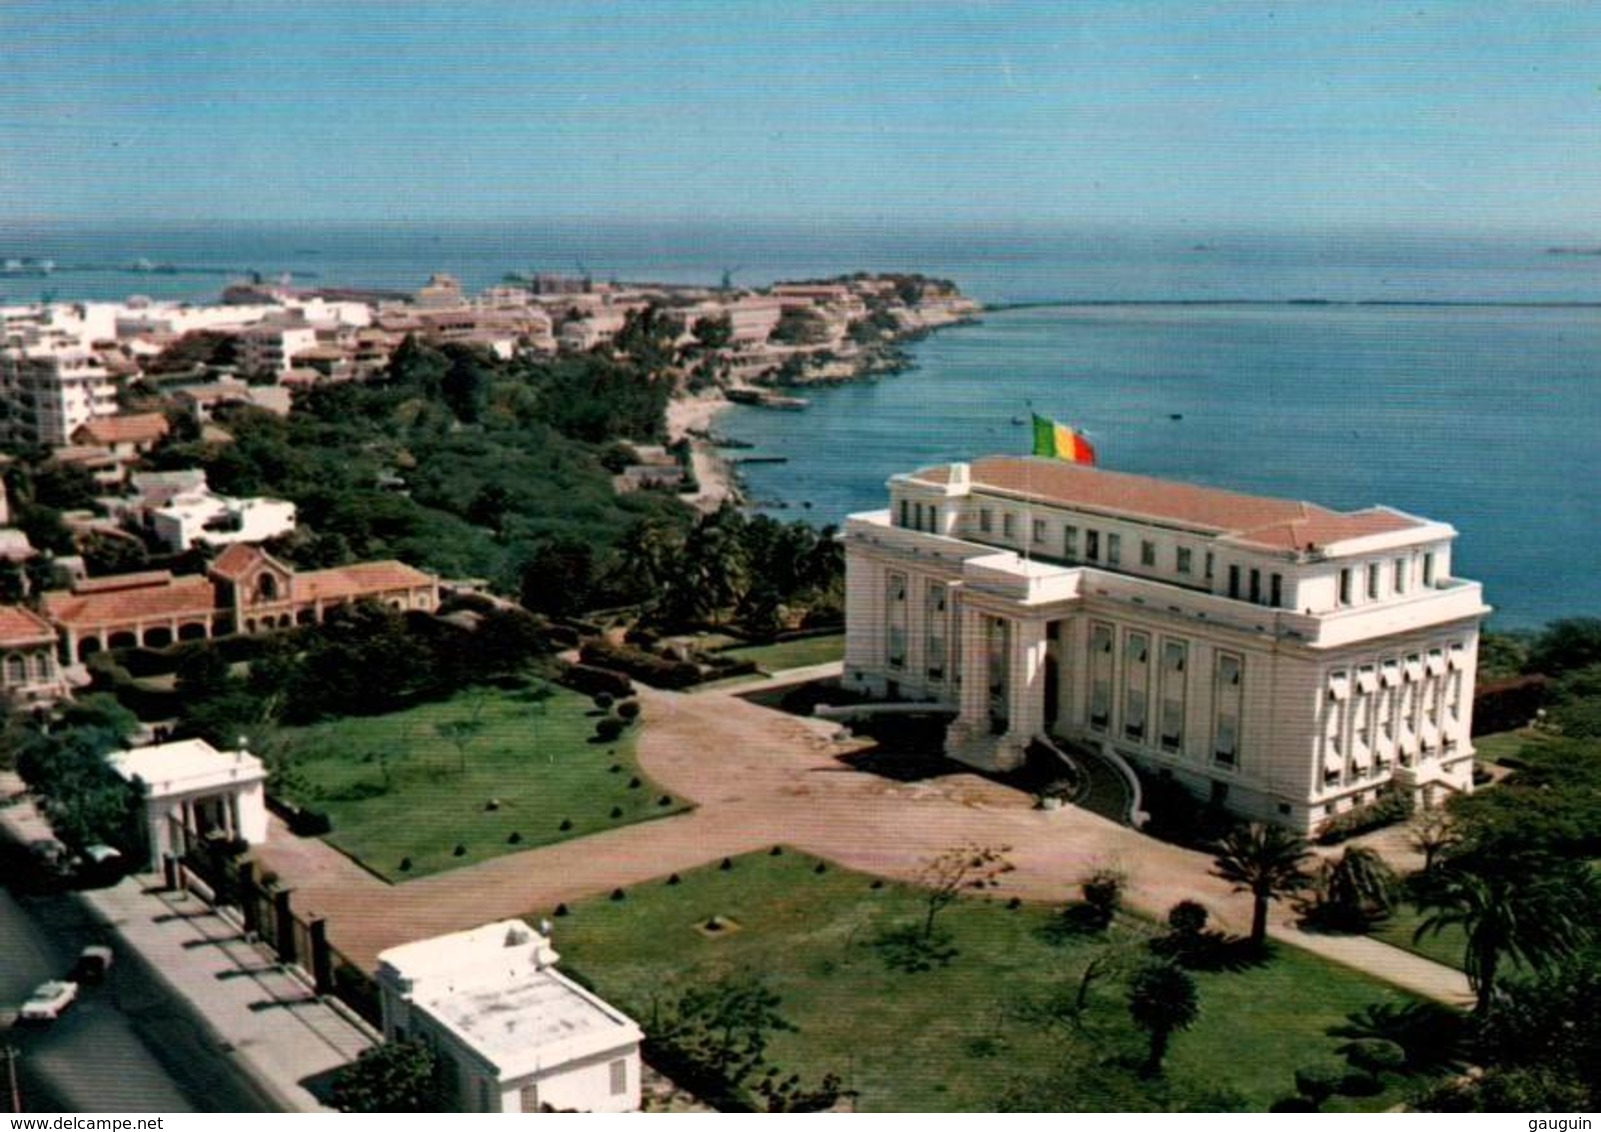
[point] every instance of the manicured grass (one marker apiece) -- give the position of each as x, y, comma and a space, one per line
537, 759
1494, 748
793, 654
957, 1037
1442, 947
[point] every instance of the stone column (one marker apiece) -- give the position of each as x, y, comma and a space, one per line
1025, 693
968, 739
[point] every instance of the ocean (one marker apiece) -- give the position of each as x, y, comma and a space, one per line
1482, 415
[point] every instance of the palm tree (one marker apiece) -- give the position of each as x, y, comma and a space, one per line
1161, 1000
1518, 910
1266, 861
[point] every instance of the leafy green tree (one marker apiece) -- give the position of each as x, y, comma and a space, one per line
1529, 909
1268, 861
714, 332
1355, 891
720, 1031
961, 869
1565, 645
559, 577
390, 1077
1162, 1000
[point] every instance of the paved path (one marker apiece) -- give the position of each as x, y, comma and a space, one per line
283, 1036
760, 777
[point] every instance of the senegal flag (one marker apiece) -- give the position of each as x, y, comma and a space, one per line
1060, 442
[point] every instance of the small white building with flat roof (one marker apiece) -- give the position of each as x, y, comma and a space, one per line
192, 790
514, 1034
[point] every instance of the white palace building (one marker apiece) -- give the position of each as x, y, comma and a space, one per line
1280, 658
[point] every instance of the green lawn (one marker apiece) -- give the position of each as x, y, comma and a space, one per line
793, 654
1443, 947
537, 759
957, 1037
1494, 748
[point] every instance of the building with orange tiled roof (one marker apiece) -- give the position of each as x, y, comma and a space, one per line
246, 591
28, 669
1280, 658
123, 434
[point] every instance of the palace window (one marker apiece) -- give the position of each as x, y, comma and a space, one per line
1147, 552
1345, 585
905, 513
895, 619
1276, 591
1256, 586
934, 643
619, 1077
1428, 569
1210, 562
1373, 581
1136, 673
1100, 676
1008, 526
1174, 656
1182, 556
1039, 530
1234, 582
1092, 545
1226, 695
1398, 576
1070, 543
986, 520
1114, 549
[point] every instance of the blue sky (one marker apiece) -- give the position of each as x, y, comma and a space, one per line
1465, 117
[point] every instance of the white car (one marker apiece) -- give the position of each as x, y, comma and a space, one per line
49, 1000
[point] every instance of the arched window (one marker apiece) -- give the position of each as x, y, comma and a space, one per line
16, 669
266, 587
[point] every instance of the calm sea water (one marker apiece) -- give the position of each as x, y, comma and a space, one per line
1484, 417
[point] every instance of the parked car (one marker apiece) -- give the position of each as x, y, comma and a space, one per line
93, 963
48, 1001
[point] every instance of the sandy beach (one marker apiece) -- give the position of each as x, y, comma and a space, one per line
713, 473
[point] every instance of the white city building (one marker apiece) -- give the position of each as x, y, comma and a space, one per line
514, 1034
49, 391
1280, 658
192, 790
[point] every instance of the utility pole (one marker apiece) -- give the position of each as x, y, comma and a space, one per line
11, 1077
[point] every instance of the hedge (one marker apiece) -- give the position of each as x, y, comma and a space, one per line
654, 670
1392, 806
588, 680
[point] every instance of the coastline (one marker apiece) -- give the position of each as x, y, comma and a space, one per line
714, 475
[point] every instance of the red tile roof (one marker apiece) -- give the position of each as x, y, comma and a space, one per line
19, 626
362, 579
188, 596
1276, 524
239, 559
135, 428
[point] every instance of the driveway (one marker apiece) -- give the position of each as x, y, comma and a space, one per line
760, 777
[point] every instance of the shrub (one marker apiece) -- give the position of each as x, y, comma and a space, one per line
459, 851
653, 670
628, 710
588, 680
561, 909
1375, 1055
514, 838
1293, 1104
634, 783
609, 728
665, 800
405, 867
603, 700
616, 812
1318, 1083
566, 824
1391, 807
673, 879
728, 863
1187, 917
618, 894
1360, 1083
